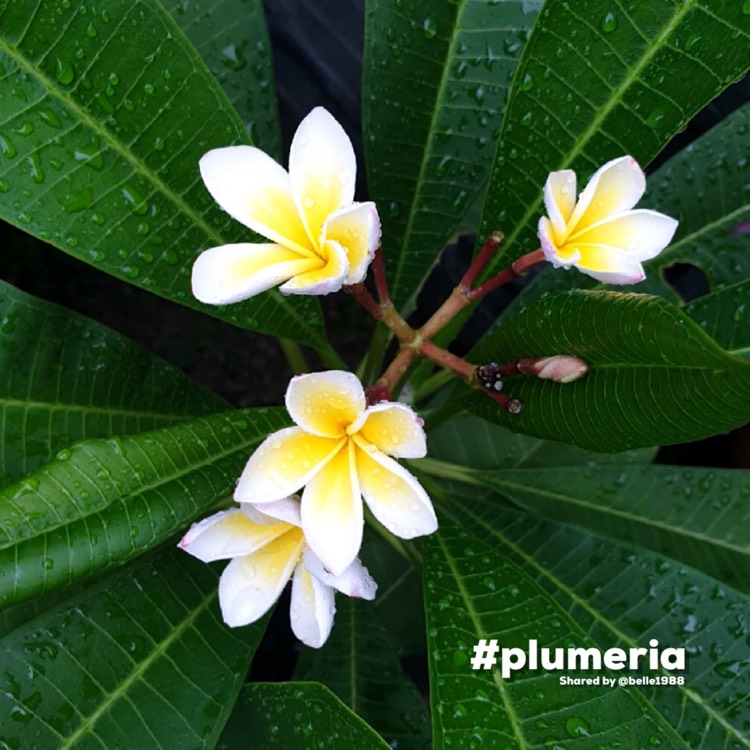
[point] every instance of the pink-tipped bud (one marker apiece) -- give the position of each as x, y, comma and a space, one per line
560, 368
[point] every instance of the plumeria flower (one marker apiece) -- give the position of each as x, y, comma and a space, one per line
600, 234
341, 451
320, 239
266, 550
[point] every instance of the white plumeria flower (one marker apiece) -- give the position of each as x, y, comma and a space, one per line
320, 239
266, 550
599, 234
341, 451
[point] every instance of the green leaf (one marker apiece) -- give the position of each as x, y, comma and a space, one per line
103, 502
475, 592
106, 113
723, 315
359, 664
623, 597
142, 661
292, 716
232, 38
707, 187
399, 586
64, 378
698, 516
471, 442
654, 376
599, 79
435, 80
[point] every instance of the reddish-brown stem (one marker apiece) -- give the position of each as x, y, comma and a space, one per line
447, 360
382, 388
363, 296
378, 272
516, 269
491, 244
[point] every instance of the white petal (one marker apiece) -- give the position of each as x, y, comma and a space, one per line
322, 169
312, 608
394, 496
610, 265
230, 273
615, 187
286, 510
284, 463
560, 200
323, 279
559, 258
642, 234
393, 428
355, 581
228, 533
252, 188
357, 229
325, 403
332, 517
250, 585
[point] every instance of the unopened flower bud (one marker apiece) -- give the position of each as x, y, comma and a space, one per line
561, 368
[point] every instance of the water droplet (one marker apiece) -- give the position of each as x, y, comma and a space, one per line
575, 726
609, 23
7, 148
4, 186
746, 7
64, 72
527, 82
26, 128
429, 27
656, 116
91, 30
64, 454
134, 198
308, 201
48, 563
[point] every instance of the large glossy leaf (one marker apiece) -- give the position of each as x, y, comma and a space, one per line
296, 716
103, 502
435, 79
654, 376
360, 665
105, 114
707, 187
471, 442
64, 378
142, 661
600, 79
475, 592
399, 586
724, 316
698, 516
624, 596
232, 38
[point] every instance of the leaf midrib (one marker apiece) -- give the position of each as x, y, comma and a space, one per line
440, 97
482, 633
90, 409
137, 673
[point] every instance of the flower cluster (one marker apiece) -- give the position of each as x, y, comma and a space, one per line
299, 510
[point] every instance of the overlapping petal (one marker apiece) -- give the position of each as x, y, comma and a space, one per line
357, 229
394, 495
312, 608
251, 584
332, 515
325, 403
322, 170
600, 234
354, 581
256, 191
328, 277
231, 273
284, 463
227, 534
394, 428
